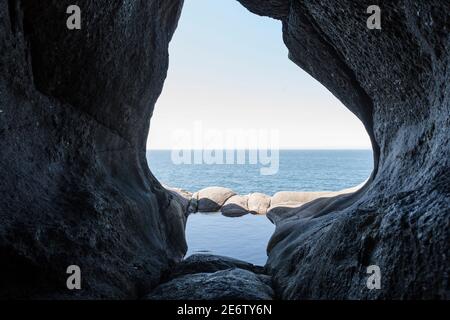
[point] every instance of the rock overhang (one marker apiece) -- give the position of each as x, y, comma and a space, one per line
395, 80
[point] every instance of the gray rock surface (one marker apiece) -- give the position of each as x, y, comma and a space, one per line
397, 82
75, 184
193, 204
295, 197
283, 203
208, 263
211, 199
230, 284
76, 188
283, 211
258, 203
235, 206
183, 197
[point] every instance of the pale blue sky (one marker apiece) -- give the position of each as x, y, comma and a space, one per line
229, 69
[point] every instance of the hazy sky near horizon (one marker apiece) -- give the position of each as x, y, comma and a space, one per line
229, 70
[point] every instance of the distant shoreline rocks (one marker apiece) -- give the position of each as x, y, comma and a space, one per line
258, 203
230, 204
235, 206
212, 199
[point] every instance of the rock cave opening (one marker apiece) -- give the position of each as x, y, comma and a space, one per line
230, 91
76, 187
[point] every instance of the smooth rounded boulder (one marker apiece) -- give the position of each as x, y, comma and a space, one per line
211, 199
236, 206
209, 263
193, 204
258, 203
230, 284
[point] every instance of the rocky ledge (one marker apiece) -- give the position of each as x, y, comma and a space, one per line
209, 277
230, 204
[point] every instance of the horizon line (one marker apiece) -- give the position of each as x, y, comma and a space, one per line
281, 149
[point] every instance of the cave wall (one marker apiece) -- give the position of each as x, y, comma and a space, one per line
396, 80
75, 110
74, 114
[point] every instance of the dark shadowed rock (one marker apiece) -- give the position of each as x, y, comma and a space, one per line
397, 82
208, 263
75, 185
282, 211
227, 284
183, 197
274, 8
76, 188
193, 204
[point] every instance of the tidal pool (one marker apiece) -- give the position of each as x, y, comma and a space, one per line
243, 238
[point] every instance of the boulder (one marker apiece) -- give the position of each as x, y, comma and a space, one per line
229, 284
283, 202
235, 206
211, 199
295, 197
193, 204
208, 263
258, 203
182, 196
282, 211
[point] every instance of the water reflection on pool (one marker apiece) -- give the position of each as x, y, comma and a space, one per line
243, 238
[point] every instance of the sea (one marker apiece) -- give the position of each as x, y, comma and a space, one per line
246, 237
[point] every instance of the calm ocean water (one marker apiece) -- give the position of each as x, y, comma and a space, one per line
299, 170
246, 237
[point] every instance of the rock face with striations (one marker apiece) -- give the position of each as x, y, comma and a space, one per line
397, 82
74, 115
75, 185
